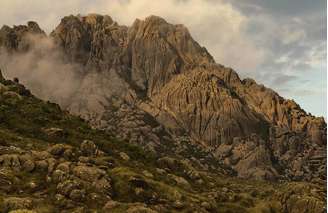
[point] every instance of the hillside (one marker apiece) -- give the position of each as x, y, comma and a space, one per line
52, 161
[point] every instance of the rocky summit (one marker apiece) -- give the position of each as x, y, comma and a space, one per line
154, 125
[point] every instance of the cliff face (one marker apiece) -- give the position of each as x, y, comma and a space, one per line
152, 80
150, 51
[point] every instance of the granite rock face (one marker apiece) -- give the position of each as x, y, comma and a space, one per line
151, 83
203, 105
150, 51
18, 38
93, 40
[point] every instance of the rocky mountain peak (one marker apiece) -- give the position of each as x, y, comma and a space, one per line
34, 27
151, 51
94, 19
88, 21
86, 39
178, 36
18, 38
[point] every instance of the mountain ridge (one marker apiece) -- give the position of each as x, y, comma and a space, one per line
156, 70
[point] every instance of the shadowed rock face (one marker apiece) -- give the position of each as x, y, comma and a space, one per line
151, 51
153, 75
92, 41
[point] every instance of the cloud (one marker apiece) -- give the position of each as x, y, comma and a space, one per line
283, 79
43, 70
280, 7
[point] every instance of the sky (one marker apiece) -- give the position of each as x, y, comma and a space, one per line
281, 44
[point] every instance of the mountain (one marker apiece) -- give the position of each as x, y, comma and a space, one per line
152, 85
51, 161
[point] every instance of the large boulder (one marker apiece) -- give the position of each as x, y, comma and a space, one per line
15, 203
88, 173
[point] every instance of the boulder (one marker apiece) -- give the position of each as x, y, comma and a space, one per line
54, 132
3, 88
111, 205
140, 209
88, 148
77, 195
180, 181
124, 156
65, 187
65, 167
28, 163
58, 149
16, 203
88, 173
22, 211
103, 185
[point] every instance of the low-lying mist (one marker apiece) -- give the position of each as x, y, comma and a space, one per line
43, 70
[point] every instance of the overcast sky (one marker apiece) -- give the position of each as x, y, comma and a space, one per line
280, 43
